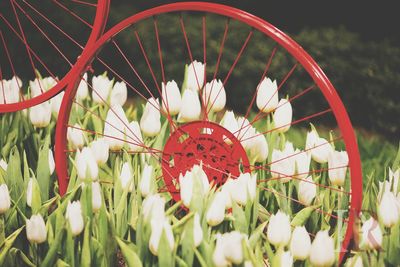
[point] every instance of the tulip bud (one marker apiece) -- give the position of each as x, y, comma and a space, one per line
318, 147
82, 91
100, 150
388, 211
230, 123
3, 164
186, 188
5, 201
307, 191
267, 95
96, 196
246, 133
52, 164
75, 136
197, 230
336, 165
283, 116
10, 90
172, 99
101, 89
74, 217
227, 189
36, 87
258, 149
214, 95
153, 208
36, 229
322, 251
191, 107
278, 231
114, 128
119, 94
86, 164
233, 248
216, 212
157, 229
238, 185
40, 114
283, 163
195, 76
55, 102
303, 160
134, 137
146, 181
371, 235
126, 177
300, 244
29, 192
150, 122
219, 258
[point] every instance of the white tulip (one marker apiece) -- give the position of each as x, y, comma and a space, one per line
52, 164
246, 133
74, 217
114, 128
36, 229
10, 90
283, 116
37, 87
371, 235
388, 211
171, 98
146, 180
286, 259
283, 163
3, 164
258, 148
303, 160
227, 189
86, 164
246, 182
150, 122
153, 208
157, 229
76, 136
230, 123
82, 91
322, 251
195, 76
197, 230
248, 264
216, 212
307, 191
214, 95
96, 196
29, 192
336, 164
318, 147
119, 94
191, 107
233, 249
278, 231
100, 150
5, 201
219, 258
126, 177
186, 188
267, 95
134, 137
40, 115
355, 261
55, 102
48, 82
300, 244
199, 174
101, 89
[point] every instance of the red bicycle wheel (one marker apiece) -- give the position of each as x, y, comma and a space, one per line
231, 43
43, 39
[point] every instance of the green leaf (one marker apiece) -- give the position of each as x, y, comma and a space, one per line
7, 244
18, 254
302, 216
129, 253
240, 222
14, 178
165, 257
52, 252
187, 242
43, 169
86, 255
256, 235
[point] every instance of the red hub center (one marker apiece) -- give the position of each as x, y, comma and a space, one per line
204, 142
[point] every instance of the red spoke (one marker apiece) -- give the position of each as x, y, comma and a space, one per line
84, 3
73, 14
233, 66
205, 49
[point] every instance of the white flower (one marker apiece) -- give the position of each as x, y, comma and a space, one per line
146, 180
258, 149
191, 107
150, 122
336, 164
283, 116
52, 164
96, 196
243, 188
82, 91
134, 137
227, 189
171, 98
36, 229
48, 82
216, 212
100, 150
3, 164
283, 163
153, 208
278, 231
300, 244
101, 89
233, 247
307, 191
119, 94
29, 192
157, 229
40, 114
230, 123
55, 102
187, 182
371, 235
86, 164
303, 160
388, 211
286, 259
214, 95
219, 258
267, 95
114, 127
318, 147
75, 136
10, 90
246, 133
5, 201
195, 76
197, 230
39, 86
74, 217
322, 251
126, 177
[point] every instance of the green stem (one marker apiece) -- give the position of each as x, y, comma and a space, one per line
2, 230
